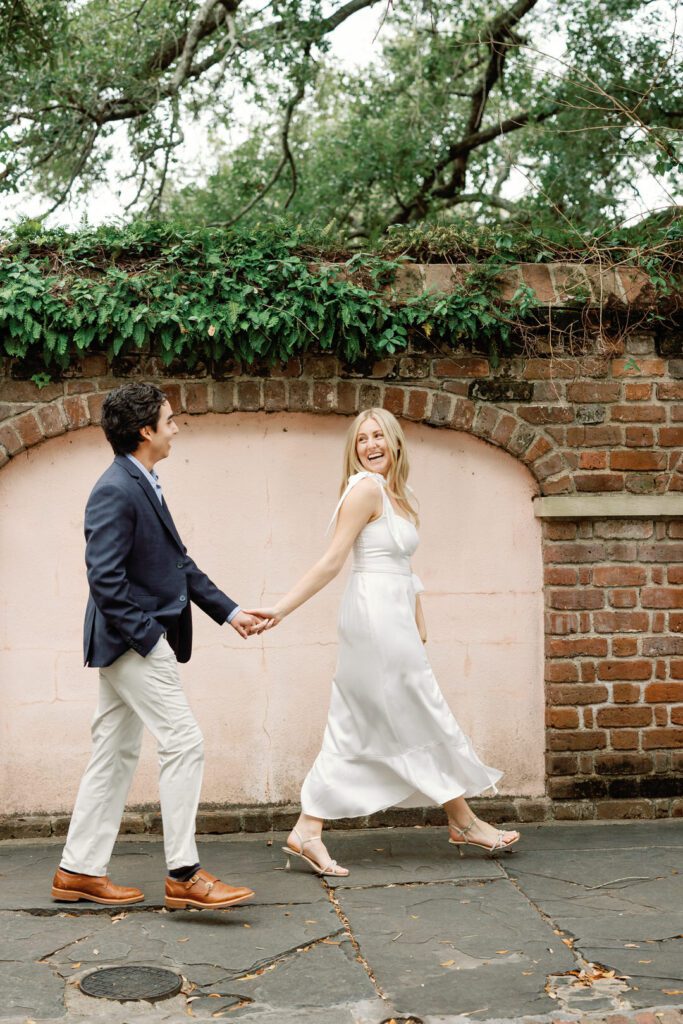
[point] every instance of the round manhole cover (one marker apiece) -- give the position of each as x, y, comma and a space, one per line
126, 984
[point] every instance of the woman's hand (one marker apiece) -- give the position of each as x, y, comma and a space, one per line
269, 617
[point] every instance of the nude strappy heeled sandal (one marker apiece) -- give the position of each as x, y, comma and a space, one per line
499, 846
331, 869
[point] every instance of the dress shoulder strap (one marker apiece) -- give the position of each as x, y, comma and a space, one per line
352, 481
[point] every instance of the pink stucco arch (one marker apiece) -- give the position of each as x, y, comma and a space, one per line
252, 494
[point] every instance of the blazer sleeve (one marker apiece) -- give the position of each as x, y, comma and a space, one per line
205, 594
109, 531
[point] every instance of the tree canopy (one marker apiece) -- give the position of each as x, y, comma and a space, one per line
530, 111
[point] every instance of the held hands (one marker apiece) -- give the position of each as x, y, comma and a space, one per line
248, 623
266, 618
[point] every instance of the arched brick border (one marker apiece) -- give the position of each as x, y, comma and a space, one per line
427, 405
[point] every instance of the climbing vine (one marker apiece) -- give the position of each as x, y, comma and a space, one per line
266, 294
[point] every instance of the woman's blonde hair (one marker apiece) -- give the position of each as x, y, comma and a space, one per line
397, 479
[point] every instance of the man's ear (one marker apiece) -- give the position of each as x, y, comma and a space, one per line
145, 433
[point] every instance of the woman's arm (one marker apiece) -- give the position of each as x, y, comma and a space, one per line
420, 620
362, 504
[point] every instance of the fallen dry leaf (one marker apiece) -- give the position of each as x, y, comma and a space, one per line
502, 951
447, 963
75, 966
246, 926
186, 939
673, 991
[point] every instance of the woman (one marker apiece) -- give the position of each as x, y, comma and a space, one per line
390, 737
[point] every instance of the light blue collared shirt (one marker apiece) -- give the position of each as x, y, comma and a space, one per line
153, 479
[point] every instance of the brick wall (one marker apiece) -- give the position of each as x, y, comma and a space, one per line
607, 423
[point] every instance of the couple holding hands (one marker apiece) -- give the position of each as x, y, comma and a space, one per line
390, 737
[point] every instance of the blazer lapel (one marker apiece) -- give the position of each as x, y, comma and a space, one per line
160, 508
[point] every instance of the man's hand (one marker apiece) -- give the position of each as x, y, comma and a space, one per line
247, 624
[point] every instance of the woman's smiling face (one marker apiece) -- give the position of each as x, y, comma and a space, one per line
371, 447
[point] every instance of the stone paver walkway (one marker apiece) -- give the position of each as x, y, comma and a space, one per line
582, 922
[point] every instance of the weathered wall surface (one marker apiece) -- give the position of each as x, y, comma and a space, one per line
252, 495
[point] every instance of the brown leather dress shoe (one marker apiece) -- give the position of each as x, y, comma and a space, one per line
203, 891
96, 888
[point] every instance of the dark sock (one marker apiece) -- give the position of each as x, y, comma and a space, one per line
66, 870
183, 874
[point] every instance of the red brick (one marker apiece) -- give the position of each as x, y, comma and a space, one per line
95, 403
671, 437
571, 600
619, 576
621, 622
622, 598
561, 764
624, 739
625, 693
595, 437
274, 395
677, 715
599, 482
394, 400
463, 414
249, 395
541, 414
623, 764
667, 693
588, 673
644, 367
623, 529
467, 366
197, 398
504, 430
540, 447
661, 597
637, 392
562, 718
670, 392
676, 668
51, 419
573, 553
347, 397
660, 552
637, 413
76, 411
561, 672
485, 420
589, 739
577, 694
620, 810
560, 576
662, 739
593, 460
417, 404
676, 622
573, 647
675, 529
299, 395
639, 437
640, 461
624, 646
9, 439
595, 391
562, 485
675, 574
625, 669
561, 623
28, 429
324, 396
369, 395
559, 530
626, 715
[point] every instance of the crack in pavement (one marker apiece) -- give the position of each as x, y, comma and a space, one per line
353, 940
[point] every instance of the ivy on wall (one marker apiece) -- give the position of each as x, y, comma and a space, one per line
261, 295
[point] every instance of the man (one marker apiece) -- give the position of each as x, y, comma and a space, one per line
138, 626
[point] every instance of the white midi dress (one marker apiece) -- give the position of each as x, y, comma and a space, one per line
390, 738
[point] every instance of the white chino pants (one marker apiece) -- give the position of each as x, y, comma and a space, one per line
137, 692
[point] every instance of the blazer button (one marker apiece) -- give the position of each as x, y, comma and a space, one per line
182, 597
179, 565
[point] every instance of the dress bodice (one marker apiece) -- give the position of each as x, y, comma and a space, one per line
386, 544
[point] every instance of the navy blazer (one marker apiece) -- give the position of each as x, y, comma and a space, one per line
141, 578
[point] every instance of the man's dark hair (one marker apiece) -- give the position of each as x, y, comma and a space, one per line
126, 410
